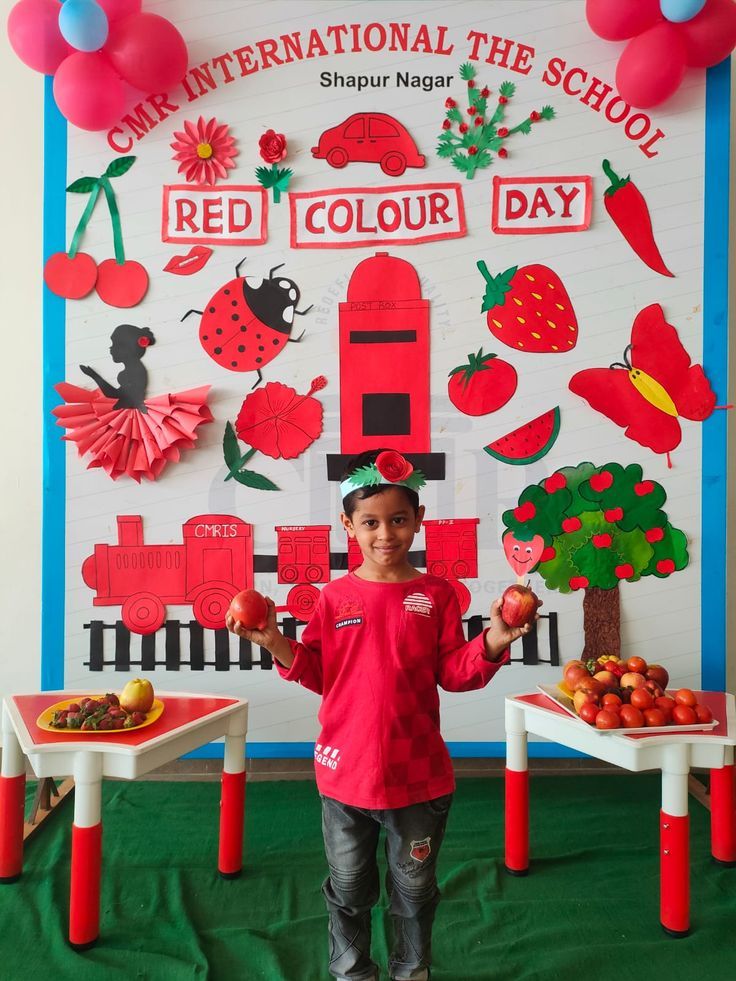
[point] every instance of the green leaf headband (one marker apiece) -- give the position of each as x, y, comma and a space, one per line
390, 467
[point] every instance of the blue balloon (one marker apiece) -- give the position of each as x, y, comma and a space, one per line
83, 24
679, 11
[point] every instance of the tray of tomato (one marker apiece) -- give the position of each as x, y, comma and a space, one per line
611, 693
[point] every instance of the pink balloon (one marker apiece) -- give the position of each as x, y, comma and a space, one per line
34, 35
711, 36
618, 20
117, 9
652, 66
88, 92
148, 51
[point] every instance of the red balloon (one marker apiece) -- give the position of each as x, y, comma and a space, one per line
88, 92
117, 9
711, 36
148, 51
618, 20
34, 35
652, 66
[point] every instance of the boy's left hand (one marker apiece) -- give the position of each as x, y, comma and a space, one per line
500, 635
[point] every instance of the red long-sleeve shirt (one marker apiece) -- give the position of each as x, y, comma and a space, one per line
376, 652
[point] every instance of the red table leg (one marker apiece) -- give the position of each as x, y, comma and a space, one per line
517, 794
723, 814
12, 804
86, 871
674, 835
232, 800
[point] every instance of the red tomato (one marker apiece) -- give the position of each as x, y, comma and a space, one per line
685, 696
611, 701
607, 720
588, 712
482, 385
631, 718
703, 713
654, 717
684, 715
637, 664
642, 698
665, 704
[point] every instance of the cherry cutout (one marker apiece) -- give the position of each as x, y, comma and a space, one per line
121, 284
70, 277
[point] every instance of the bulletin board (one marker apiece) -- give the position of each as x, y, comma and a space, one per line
290, 320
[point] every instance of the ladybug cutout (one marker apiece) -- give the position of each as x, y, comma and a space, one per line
249, 320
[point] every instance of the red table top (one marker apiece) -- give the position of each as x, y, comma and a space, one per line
715, 700
179, 710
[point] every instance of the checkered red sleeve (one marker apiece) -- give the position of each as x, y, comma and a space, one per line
462, 664
306, 668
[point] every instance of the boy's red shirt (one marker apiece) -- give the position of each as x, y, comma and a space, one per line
376, 652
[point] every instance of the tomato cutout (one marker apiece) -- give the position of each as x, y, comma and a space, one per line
483, 385
522, 555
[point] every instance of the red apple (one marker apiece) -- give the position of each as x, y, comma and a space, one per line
581, 697
607, 678
249, 609
659, 674
518, 605
574, 674
137, 695
590, 684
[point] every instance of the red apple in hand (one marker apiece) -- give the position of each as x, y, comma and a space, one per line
70, 277
518, 605
121, 284
249, 609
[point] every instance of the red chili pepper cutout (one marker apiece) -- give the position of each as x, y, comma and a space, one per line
626, 205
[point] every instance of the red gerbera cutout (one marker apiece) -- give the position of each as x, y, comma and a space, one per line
205, 151
278, 421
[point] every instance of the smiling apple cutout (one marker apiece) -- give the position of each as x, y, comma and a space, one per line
522, 555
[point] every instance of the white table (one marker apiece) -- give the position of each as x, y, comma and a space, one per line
673, 753
188, 721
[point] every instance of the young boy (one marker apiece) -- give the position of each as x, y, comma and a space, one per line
380, 642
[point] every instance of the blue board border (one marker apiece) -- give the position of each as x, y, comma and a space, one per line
715, 362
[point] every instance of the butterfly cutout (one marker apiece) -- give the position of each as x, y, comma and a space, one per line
652, 388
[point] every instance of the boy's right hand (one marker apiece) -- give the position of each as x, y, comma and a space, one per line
269, 637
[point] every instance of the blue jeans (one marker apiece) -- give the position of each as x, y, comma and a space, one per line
413, 838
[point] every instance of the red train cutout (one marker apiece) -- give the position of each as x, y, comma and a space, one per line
215, 561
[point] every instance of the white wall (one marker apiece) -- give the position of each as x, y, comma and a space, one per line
21, 184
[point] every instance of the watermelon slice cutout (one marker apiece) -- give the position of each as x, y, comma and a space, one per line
529, 442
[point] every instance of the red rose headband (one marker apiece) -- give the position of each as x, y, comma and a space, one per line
390, 467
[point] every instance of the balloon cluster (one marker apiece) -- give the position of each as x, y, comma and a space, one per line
665, 38
92, 48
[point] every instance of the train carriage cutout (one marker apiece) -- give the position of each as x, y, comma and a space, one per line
213, 563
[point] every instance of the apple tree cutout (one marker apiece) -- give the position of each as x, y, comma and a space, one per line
73, 275
598, 526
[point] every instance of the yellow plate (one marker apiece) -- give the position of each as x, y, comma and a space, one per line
564, 689
44, 719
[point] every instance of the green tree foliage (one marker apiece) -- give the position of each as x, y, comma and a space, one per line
600, 525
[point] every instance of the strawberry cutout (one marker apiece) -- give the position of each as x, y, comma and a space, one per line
522, 556
529, 309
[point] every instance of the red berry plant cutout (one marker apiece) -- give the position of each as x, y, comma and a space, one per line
273, 149
479, 135
276, 420
119, 283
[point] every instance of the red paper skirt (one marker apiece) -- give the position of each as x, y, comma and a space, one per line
128, 441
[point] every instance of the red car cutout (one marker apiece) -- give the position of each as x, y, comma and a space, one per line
369, 137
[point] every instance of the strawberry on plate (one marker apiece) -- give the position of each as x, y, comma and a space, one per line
529, 310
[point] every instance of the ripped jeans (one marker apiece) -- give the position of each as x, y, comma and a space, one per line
413, 838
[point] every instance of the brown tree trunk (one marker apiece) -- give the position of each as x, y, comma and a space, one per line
601, 622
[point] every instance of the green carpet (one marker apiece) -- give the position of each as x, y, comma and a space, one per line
588, 910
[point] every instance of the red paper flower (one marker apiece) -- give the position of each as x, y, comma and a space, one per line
272, 146
393, 466
278, 421
205, 152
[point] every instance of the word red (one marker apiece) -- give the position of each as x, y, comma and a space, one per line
540, 205
233, 215
351, 217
